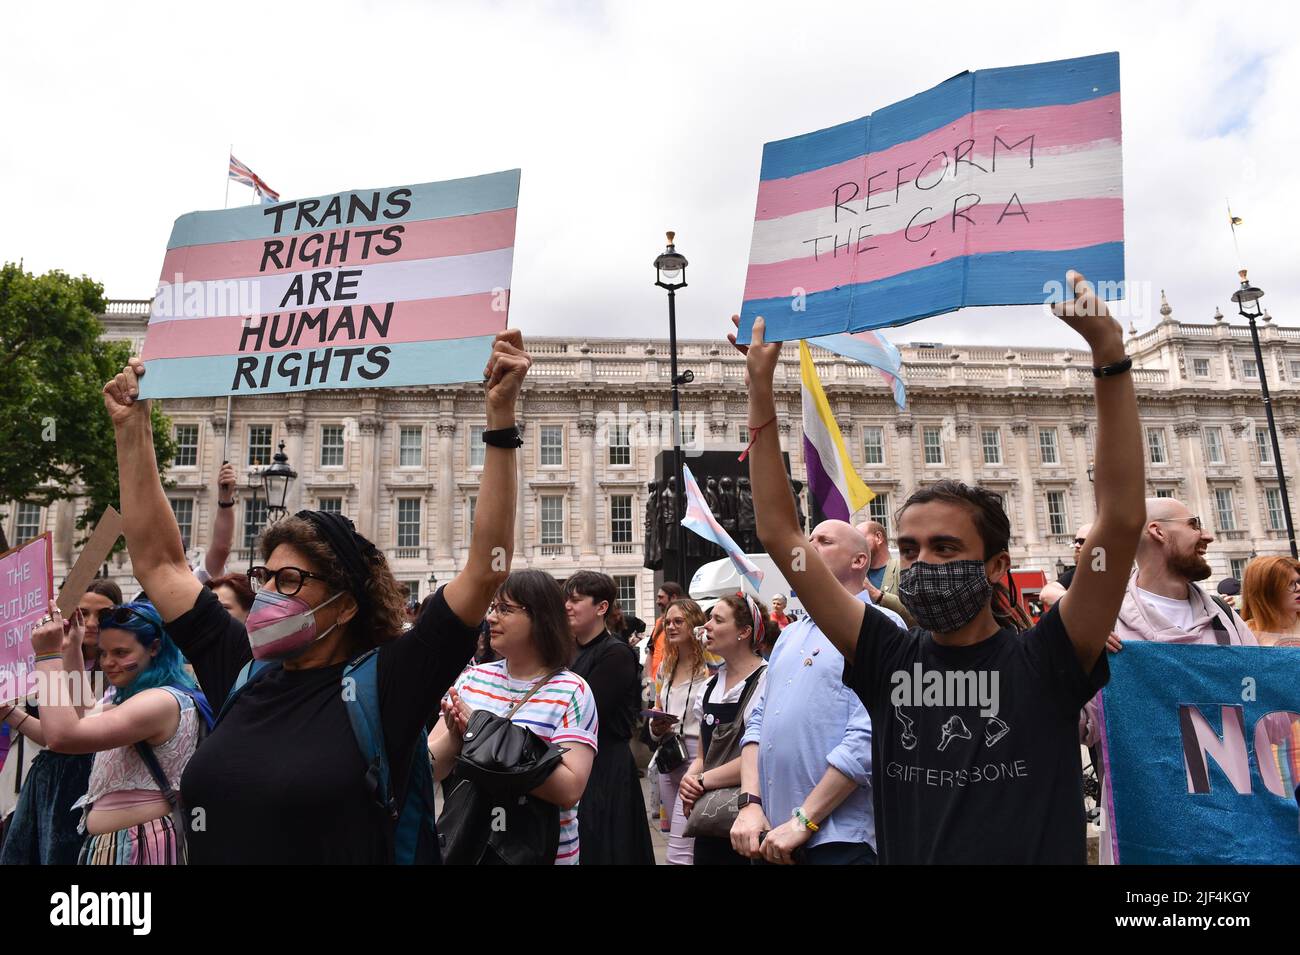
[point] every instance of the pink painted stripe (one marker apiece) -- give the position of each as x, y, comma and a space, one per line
464, 316
422, 239
1052, 226
1055, 129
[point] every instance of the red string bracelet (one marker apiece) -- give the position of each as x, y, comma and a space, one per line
753, 436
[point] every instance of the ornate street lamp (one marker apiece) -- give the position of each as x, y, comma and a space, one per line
670, 274
1247, 298
276, 480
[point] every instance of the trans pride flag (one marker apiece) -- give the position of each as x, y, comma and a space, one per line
831, 478
700, 520
874, 349
980, 191
366, 288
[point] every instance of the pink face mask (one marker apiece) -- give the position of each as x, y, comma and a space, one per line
280, 627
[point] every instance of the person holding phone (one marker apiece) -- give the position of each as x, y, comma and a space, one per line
681, 680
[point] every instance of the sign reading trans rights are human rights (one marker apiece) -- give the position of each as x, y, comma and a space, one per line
984, 190
369, 288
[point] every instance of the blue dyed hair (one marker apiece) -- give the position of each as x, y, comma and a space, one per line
167, 668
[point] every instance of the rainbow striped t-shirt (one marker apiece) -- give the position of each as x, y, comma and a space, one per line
563, 711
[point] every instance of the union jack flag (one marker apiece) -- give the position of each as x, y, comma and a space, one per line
241, 173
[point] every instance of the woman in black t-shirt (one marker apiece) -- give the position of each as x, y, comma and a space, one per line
282, 778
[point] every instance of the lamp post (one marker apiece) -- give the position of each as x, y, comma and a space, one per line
670, 274
1247, 298
275, 483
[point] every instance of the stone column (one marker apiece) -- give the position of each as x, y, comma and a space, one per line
1088, 498
907, 481
446, 488
1188, 431
963, 451
1248, 489
295, 423
519, 493
371, 426
587, 482
1020, 429
1287, 431
65, 518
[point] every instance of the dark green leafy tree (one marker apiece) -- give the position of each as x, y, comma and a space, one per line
56, 440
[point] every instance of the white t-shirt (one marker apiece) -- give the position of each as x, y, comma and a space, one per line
1179, 613
732, 695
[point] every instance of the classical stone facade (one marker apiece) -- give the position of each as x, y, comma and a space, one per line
403, 462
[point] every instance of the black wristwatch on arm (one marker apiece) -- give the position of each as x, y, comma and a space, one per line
748, 799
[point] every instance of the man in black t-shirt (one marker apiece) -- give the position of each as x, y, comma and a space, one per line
975, 753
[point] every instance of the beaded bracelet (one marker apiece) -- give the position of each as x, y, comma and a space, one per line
42, 657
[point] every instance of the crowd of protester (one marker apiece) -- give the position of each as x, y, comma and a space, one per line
309, 711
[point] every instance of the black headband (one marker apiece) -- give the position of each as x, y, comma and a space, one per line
352, 550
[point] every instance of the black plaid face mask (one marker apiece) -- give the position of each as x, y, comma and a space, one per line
945, 597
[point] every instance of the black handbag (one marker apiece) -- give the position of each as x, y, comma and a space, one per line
488, 818
672, 753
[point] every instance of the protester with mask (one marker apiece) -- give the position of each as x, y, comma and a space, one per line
528, 627
613, 818
280, 779
1270, 601
997, 778
729, 698
882, 573
43, 830
128, 815
681, 680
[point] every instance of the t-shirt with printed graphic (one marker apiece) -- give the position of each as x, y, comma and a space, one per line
563, 711
975, 753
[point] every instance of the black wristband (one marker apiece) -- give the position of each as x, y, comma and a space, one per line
225, 503
504, 438
1105, 371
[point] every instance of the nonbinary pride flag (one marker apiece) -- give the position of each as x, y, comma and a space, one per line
834, 484
870, 348
699, 519
1201, 745
980, 191
366, 288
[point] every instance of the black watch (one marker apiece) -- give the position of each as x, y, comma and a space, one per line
504, 438
748, 799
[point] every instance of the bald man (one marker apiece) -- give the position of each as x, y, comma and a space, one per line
1164, 603
882, 571
807, 744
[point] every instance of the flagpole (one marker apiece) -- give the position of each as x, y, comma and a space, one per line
226, 204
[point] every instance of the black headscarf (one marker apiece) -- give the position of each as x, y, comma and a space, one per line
353, 551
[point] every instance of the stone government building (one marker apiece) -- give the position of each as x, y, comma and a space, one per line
405, 463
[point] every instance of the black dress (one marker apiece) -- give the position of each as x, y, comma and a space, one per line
612, 824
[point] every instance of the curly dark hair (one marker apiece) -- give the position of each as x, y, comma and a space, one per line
382, 605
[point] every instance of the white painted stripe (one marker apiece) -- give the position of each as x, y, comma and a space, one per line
380, 282
1093, 173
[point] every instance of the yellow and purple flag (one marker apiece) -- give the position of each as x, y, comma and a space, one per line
833, 482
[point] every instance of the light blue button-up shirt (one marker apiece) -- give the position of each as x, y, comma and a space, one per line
809, 720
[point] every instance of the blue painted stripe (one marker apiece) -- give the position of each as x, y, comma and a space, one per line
547, 726
997, 278
429, 200
1059, 83
410, 363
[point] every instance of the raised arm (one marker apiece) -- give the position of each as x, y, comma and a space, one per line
837, 612
154, 541
223, 525
1089, 608
492, 540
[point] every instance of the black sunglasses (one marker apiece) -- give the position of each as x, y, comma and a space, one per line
288, 580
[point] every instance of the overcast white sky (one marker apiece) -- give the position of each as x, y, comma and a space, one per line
627, 119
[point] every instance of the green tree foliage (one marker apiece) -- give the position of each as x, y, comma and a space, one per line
56, 440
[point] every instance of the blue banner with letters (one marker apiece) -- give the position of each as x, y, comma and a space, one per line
1201, 745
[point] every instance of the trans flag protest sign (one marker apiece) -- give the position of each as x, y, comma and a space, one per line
984, 190
1201, 745
369, 288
